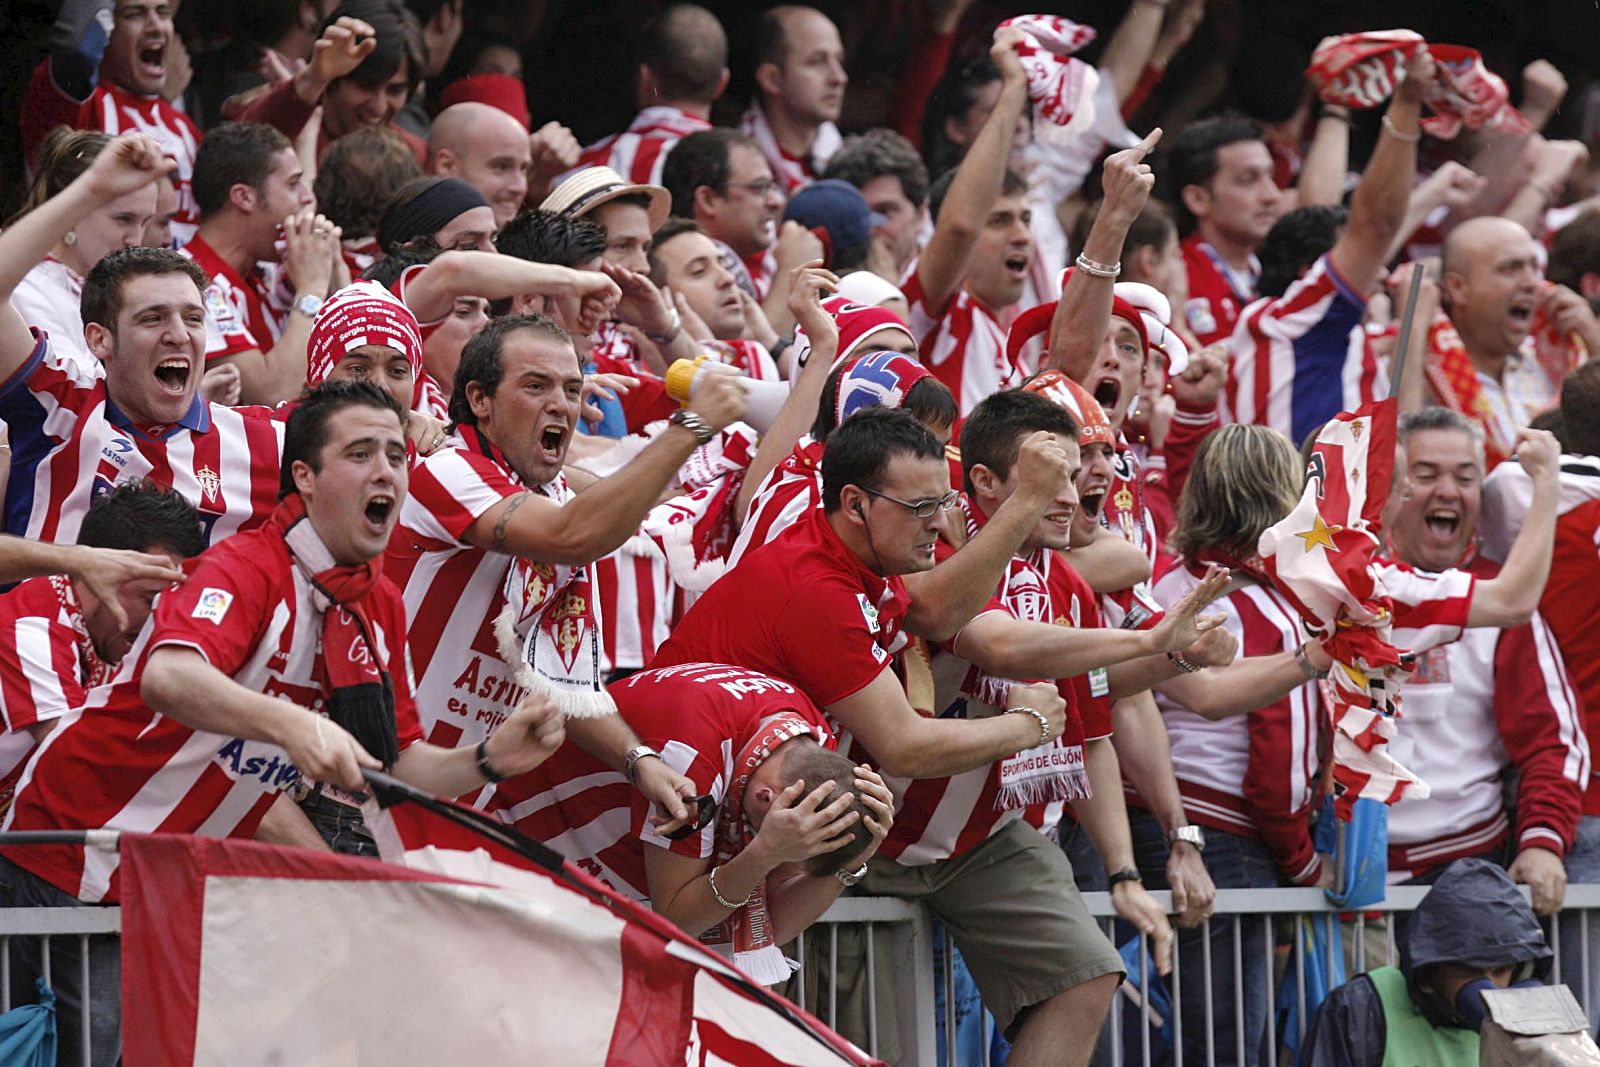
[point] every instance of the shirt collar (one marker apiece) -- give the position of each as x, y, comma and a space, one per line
196, 419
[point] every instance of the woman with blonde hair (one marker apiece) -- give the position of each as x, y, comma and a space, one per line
1246, 764
47, 297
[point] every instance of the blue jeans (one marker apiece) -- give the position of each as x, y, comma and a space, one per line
1234, 863
23, 889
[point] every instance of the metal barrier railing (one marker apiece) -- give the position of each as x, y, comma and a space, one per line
891, 945
1360, 940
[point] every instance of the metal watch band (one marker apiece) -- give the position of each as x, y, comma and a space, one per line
635, 754
692, 422
850, 878
1189, 833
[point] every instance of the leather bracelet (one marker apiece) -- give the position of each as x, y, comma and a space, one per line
1044, 723
1311, 672
489, 773
1127, 874
1099, 270
726, 903
1394, 131
1182, 664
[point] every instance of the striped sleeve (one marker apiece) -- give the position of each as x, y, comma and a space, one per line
1430, 609
450, 489
1542, 730
38, 672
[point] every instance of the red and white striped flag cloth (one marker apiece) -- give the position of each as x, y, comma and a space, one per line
1322, 556
239, 953
1061, 87
1360, 70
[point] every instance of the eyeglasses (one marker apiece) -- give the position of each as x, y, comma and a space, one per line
922, 509
760, 187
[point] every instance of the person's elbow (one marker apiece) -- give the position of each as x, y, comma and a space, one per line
1505, 606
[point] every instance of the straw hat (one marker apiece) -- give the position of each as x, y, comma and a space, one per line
590, 187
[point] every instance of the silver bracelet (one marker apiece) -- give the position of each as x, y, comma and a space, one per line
1306, 666
1044, 723
1183, 664
729, 904
1394, 131
1099, 270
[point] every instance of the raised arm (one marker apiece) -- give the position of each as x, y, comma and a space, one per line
1128, 52
432, 293
129, 162
1084, 313
598, 520
945, 598
807, 290
1511, 597
1379, 205
1322, 172
977, 183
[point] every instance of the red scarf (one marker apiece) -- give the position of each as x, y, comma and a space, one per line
748, 931
356, 689
1055, 770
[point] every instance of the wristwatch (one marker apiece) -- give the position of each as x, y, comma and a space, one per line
1190, 833
635, 754
850, 878
692, 422
674, 328
1127, 874
307, 305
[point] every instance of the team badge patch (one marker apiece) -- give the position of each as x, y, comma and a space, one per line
1198, 312
212, 605
868, 612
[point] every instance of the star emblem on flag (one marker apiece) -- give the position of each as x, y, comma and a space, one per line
1320, 534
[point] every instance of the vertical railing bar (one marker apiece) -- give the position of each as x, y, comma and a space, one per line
1272, 999
5, 973
872, 992
1238, 991
800, 954
83, 1014
1144, 1013
1116, 1007
1177, 1002
833, 975
1556, 976
1209, 1002
1300, 971
949, 997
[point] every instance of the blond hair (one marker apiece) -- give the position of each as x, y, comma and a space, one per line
1244, 479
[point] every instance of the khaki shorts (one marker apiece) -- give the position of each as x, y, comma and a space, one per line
1015, 914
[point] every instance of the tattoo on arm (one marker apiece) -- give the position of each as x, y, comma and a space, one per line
498, 540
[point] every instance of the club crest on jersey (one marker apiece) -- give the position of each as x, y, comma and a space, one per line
212, 605
868, 612
210, 482
1198, 312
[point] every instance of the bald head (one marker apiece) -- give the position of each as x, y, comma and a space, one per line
486, 148
1479, 237
800, 63
685, 54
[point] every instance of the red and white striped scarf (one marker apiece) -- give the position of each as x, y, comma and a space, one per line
792, 171
747, 932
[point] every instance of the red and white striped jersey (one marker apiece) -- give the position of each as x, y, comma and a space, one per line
638, 152
432, 398
241, 313
964, 346
791, 490
453, 592
117, 764
1251, 775
1474, 711
1430, 609
47, 664
638, 603
70, 443
943, 818
1301, 358
698, 716
115, 110
1217, 292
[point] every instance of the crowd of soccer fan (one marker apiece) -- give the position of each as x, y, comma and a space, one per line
759, 512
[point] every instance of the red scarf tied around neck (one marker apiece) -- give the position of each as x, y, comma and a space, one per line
357, 692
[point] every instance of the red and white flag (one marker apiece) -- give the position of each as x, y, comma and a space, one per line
239, 953
1323, 557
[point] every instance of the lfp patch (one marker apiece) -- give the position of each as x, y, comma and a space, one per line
213, 604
